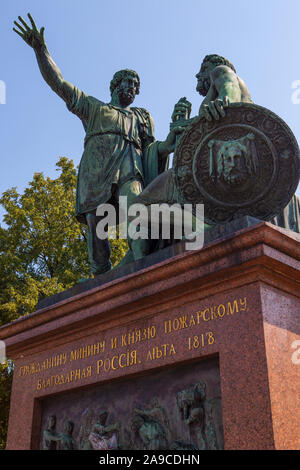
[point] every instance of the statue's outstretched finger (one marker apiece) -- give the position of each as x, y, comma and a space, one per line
18, 32
32, 22
24, 23
20, 27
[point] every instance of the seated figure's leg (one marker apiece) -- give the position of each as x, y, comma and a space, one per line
132, 189
98, 250
162, 190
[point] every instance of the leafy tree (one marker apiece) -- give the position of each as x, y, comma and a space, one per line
42, 252
43, 247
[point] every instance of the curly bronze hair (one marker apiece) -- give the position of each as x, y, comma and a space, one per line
218, 60
118, 77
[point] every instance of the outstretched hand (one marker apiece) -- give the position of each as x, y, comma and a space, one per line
31, 35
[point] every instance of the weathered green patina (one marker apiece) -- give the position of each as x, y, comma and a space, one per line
127, 135
122, 158
235, 157
218, 82
120, 154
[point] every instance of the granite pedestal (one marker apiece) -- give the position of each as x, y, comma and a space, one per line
226, 316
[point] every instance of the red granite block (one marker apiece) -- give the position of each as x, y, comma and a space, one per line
237, 299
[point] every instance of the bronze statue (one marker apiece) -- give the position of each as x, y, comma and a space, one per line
67, 441
150, 426
121, 156
104, 436
196, 415
50, 436
236, 158
219, 83
85, 429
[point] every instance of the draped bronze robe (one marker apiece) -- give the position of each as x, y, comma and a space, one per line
112, 134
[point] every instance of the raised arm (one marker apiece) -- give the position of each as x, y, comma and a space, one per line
49, 70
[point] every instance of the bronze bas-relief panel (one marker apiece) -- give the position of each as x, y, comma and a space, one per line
178, 407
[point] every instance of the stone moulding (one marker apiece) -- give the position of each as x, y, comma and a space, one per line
235, 301
253, 249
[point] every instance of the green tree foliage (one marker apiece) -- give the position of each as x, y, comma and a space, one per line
43, 247
42, 251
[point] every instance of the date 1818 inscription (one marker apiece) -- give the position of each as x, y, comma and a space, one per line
124, 351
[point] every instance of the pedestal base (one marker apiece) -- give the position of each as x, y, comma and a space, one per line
197, 350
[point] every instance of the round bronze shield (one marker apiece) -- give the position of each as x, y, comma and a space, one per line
246, 163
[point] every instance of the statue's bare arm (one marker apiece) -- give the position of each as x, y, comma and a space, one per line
49, 70
226, 83
225, 88
50, 436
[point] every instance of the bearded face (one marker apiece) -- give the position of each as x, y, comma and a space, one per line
232, 165
203, 86
127, 90
203, 78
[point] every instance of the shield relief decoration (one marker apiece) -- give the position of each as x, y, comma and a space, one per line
246, 163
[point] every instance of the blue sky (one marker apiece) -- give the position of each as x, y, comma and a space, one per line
163, 40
